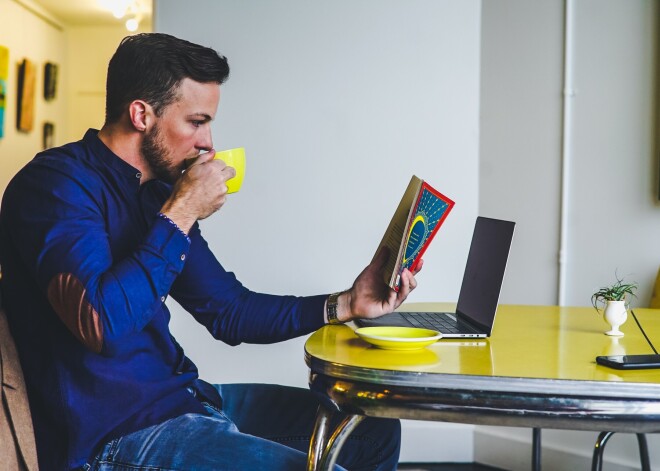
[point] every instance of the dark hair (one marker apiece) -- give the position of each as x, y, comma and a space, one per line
151, 66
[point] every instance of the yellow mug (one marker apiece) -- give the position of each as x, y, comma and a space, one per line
233, 158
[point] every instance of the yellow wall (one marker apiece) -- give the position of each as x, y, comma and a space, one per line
89, 49
82, 54
29, 37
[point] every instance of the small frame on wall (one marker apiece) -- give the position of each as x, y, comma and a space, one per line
4, 75
25, 101
50, 81
48, 135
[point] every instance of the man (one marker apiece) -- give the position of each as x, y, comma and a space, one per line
96, 234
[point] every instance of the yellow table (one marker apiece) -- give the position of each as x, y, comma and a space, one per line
537, 370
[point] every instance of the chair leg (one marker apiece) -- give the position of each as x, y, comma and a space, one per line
643, 452
536, 449
597, 461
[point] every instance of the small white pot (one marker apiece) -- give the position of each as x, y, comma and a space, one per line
615, 315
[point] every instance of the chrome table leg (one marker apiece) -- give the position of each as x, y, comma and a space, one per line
337, 440
319, 438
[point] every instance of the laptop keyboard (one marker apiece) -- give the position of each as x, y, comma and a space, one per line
433, 321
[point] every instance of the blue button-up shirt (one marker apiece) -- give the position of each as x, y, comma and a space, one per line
87, 263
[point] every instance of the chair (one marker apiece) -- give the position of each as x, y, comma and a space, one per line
17, 443
603, 437
597, 460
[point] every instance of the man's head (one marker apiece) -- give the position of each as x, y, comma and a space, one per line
151, 67
167, 89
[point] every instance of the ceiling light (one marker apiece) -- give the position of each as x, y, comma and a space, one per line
132, 24
119, 8
118, 12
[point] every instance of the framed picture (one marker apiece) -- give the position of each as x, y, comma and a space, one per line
48, 135
50, 81
25, 99
4, 75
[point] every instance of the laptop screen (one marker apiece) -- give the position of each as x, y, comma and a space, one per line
484, 271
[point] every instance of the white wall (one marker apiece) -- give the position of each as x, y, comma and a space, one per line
614, 173
337, 104
612, 164
28, 36
520, 138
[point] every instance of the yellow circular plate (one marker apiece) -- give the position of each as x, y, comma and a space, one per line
398, 338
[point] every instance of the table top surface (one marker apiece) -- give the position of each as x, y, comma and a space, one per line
529, 344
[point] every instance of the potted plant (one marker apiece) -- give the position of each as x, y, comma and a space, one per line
615, 300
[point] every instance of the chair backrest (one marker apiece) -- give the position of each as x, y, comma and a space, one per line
655, 296
17, 445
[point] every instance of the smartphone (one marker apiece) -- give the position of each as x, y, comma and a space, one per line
629, 362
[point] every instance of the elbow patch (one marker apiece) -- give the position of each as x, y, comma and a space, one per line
67, 297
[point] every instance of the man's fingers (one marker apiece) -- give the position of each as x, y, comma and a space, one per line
200, 159
206, 156
408, 283
230, 172
419, 266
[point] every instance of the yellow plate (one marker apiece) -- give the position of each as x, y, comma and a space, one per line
398, 338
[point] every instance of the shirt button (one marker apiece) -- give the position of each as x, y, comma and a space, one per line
138, 175
183, 256
162, 298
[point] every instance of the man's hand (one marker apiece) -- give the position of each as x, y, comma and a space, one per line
370, 296
199, 192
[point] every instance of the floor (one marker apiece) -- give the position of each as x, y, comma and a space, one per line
446, 467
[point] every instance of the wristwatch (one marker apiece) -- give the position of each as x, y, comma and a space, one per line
332, 309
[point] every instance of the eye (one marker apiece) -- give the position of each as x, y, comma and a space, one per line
197, 123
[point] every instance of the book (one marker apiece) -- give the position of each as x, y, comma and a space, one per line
420, 213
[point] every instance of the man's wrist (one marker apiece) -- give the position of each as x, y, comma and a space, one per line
337, 308
180, 217
332, 309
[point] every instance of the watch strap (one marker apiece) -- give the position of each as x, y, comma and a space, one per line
333, 301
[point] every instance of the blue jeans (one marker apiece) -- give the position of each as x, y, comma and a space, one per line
259, 427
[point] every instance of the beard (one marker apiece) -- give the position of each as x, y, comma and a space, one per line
157, 158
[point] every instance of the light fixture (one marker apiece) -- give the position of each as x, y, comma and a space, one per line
119, 8
133, 10
132, 24
118, 12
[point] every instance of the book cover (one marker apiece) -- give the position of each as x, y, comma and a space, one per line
419, 215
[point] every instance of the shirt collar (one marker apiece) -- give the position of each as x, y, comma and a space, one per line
112, 160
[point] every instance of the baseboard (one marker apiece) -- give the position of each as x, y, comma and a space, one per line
436, 442
513, 452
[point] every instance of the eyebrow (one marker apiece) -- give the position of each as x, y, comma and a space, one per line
204, 116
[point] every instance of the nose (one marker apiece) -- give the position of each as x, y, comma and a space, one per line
205, 141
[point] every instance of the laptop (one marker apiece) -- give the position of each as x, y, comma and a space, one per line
480, 290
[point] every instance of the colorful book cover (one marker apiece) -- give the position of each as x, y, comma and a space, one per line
430, 211
4, 76
417, 218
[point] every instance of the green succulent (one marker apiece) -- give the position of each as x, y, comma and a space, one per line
619, 291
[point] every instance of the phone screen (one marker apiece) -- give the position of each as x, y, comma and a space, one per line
629, 362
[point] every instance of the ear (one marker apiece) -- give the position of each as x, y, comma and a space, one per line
140, 114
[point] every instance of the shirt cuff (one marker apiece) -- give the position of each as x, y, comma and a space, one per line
313, 317
162, 216
170, 242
